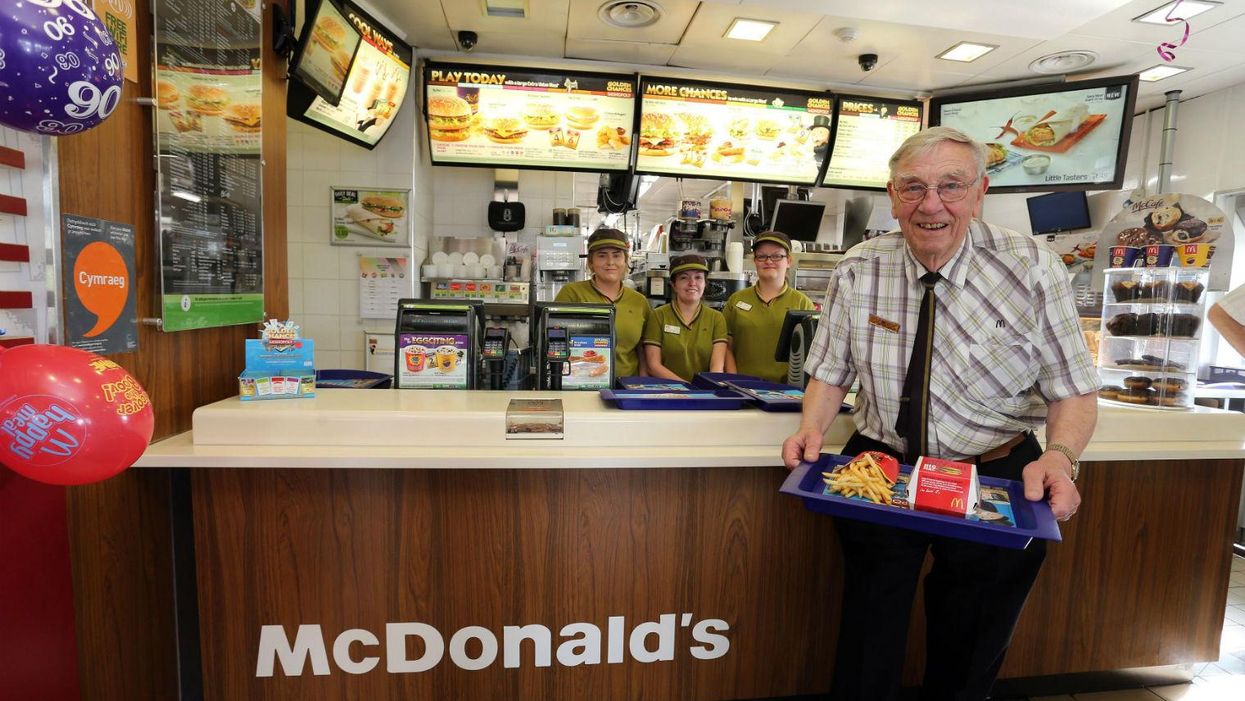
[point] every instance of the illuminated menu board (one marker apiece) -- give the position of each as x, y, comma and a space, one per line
500, 116
374, 89
866, 132
323, 60
733, 132
1068, 136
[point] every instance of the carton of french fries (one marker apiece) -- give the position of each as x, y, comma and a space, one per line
870, 476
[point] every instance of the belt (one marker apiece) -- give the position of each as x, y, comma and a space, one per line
1003, 450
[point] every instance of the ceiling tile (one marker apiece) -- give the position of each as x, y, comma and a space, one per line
1191, 84
1113, 55
585, 25
423, 22
724, 59
1119, 24
1226, 37
543, 16
620, 51
712, 21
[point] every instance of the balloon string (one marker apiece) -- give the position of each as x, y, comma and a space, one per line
1165, 48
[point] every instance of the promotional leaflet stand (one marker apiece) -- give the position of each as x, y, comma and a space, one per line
794, 342
574, 346
437, 344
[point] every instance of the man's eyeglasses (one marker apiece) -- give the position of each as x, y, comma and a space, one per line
950, 191
775, 258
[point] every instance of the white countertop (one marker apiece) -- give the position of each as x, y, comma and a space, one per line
413, 429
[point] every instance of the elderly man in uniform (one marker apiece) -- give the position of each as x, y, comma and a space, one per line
964, 338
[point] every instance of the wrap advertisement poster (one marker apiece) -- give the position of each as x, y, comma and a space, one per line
366, 217
718, 130
324, 60
494, 115
1049, 140
433, 361
866, 132
589, 365
375, 87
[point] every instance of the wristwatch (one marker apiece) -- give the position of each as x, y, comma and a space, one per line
1061, 448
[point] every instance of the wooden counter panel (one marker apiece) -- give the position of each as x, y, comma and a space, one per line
360, 548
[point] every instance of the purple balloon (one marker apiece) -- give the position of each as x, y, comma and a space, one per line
60, 72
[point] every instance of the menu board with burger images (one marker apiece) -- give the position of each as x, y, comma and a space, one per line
1067, 136
374, 88
533, 118
735, 132
208, 138
326, 51
866, 132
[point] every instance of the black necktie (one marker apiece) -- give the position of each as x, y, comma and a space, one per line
913, 420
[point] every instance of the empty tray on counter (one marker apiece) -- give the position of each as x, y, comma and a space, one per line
664, 400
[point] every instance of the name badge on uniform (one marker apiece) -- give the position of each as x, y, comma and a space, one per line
875, 320
743, 305
671, 328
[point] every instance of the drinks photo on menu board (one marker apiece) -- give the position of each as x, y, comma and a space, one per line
718, 130
373, 91
535, 118
866, 132
1059, 137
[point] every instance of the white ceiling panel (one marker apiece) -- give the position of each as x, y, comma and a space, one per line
620, 51
423, 22
543, 16
584, 24
529, 43
709, 26
723, 59
1227, 37
1113, 55
1119, 25
902, 74
1192, 84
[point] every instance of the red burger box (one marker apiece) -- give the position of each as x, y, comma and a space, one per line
943, 487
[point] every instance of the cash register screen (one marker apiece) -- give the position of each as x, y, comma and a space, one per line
589, 365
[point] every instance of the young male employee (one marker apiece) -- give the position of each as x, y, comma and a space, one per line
754, 315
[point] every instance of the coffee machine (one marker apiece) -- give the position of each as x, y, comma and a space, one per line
437, 344
704, 237
559, 260
574, 346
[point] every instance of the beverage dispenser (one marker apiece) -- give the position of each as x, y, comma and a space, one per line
559, 260
574, 346
437, 344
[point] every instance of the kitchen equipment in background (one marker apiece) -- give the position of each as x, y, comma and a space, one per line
574, 346
558, 261
810, 272
720, 286
704, 237
506, 216
720, 209
691, 209
437, 344
493, 353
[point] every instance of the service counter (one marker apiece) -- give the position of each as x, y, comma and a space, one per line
440, 560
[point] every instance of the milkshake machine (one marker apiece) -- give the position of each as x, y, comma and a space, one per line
559, 260
574, 346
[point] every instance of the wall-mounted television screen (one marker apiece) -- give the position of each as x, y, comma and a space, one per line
750, 133
799, 219
374, 88
1058, 212
322, 60
866, 132
1065, 136
500, 116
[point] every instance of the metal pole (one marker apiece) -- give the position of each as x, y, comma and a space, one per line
1169, 140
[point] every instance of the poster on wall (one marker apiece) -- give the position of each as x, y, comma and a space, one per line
729, 131
369, 217
118, 18
382, 282
432, 361
1172, 229
100, 303
866, 132
524, 118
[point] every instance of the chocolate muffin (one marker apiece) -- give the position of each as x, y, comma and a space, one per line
1122, 324
1137, 236
1138, 382
1126, 290
1187, 291
1184, 325
1150, 324
1158, 290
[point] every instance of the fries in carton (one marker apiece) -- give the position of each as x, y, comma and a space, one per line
869, 476
943, 487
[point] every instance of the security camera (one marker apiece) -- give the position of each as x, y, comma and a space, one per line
467, 40
867, 61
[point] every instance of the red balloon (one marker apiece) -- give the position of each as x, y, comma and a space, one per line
68, 416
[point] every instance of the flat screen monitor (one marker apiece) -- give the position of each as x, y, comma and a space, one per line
748, 133
1065, 136
328, 47
799, 219
1058, 212
866, 132
502, 116
373, 91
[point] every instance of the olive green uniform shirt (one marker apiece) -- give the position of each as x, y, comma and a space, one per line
685, 348
754, 327
631, 311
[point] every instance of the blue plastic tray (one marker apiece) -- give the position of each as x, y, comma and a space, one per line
769, 396
1033, 518
718, 380
661, 383
353, 379
696, 400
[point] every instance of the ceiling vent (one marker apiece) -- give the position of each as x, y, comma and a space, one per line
630, 14
1063, 62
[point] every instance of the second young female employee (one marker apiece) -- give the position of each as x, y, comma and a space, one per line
608, 250
685, 337
754, 315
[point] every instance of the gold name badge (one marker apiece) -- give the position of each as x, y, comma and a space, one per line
875, 320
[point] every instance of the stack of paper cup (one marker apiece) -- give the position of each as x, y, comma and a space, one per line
735, 256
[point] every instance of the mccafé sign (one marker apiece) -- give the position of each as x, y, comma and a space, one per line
359, 651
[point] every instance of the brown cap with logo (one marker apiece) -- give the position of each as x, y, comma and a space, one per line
608, 238
683, 264
772, 237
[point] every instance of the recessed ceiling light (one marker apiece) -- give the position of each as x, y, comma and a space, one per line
966, 51
1188, 10
505, 8
1161, 71
749, 29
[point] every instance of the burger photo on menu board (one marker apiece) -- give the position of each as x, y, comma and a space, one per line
658, 134
449, 118
767, 129
582, 117
243, 118
505, 129
207, 99
328, 33
167, 95
539, 115
341, 64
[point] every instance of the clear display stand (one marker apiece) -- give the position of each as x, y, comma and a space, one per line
1152, 322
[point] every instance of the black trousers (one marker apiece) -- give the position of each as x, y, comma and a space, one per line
973, 598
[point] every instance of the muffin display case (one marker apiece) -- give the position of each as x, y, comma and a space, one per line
1151, 330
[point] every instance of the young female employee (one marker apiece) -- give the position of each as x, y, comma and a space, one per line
685, 337
608, 251
754, 315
